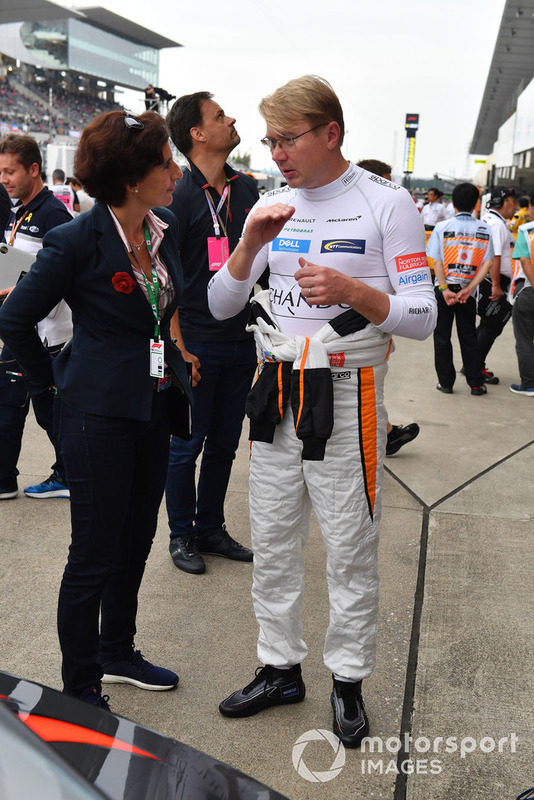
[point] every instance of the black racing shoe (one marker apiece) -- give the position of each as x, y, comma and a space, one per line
221, 544
444, 389
350, 720
184, 553
478, 390
400, 435
270, 687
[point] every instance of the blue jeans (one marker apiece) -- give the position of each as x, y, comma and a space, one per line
14, 407
116, 471
226, 370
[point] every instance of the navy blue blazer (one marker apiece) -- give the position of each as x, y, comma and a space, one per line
104, 369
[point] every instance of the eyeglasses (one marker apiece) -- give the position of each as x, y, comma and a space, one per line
287, 142
132, 122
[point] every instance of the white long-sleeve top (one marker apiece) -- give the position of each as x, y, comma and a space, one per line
361, 225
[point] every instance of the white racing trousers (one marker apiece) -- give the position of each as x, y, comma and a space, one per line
344, 491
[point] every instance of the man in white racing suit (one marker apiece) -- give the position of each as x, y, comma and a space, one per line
345, 250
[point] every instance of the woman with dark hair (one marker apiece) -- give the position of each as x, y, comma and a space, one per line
122, 387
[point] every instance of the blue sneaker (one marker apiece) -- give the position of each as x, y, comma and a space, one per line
518, 388
54, 486
135, 669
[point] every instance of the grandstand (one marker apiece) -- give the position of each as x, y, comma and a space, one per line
61, 67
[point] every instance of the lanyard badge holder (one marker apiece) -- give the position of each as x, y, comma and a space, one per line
157, 346
218, 247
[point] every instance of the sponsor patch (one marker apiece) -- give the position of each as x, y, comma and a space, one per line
337, 359
414, 277
411, 261
342, 376
290, 690
383, 182
289, 245
343, 246
345, 219
349, 178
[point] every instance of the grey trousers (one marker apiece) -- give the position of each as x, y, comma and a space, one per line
523, 323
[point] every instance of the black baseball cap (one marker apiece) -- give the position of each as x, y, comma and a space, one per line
498, 196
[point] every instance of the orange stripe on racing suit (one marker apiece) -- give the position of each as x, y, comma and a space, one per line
301, 382
280, 392
368, 433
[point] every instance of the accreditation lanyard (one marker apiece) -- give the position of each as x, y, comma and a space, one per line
157, 353
218, 247
15, 228
217, 221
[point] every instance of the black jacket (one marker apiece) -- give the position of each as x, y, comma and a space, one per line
195, 225
105, 367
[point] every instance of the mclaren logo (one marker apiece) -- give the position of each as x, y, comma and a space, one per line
343, 246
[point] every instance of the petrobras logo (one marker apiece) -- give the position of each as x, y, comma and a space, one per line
411, 261
414, 278
343, 246
288, 245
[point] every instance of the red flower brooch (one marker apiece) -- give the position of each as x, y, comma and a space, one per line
123, 282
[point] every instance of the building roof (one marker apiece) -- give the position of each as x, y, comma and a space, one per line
511, 70
30, 10
120, 26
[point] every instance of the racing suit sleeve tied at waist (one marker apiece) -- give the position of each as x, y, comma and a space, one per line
297, 370
311, 395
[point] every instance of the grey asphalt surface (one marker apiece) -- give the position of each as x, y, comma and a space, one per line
455, 657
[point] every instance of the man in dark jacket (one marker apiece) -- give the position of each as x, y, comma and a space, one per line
211, 203
37, 212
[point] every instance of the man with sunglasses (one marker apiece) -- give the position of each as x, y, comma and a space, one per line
345, 250
211, 203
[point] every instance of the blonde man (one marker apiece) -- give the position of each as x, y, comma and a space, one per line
339, 242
